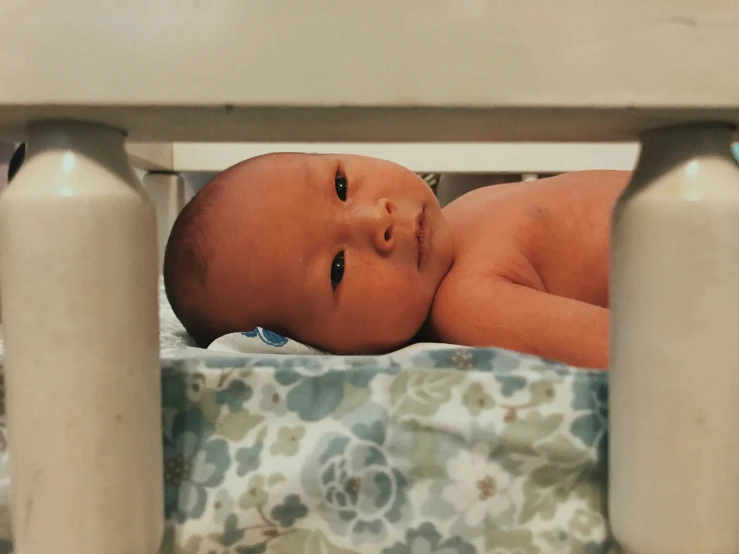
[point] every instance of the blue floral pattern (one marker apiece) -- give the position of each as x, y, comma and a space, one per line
195, 462
432, 450
267, 336
359, 492
426, 538
590, 403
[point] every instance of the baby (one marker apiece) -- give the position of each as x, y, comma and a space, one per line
352, 255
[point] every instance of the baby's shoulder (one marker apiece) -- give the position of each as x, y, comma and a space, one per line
450, 304
501, 217
491, 254
464, 300
472, 275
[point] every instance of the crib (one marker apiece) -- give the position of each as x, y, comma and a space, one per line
76, 226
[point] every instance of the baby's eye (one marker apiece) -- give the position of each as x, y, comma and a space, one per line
340, 185
337, 270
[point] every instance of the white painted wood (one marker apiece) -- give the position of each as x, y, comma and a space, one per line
431, 158
150, 156
674, 383
366, 70
79, 289
167, 191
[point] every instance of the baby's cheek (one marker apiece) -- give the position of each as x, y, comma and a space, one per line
406, 312
387, 317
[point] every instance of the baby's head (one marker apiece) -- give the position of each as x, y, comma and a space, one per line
344, 253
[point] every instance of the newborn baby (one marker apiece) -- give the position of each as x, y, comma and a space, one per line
352, 254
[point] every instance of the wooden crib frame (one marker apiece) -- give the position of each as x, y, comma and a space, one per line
421, 157
166, 71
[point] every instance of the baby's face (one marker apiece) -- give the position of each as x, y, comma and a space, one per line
341, 252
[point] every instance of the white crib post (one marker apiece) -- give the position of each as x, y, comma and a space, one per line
674, 396
167, 191
79, 290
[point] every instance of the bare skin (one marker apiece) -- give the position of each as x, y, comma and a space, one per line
531, 269
521, 266
278, 228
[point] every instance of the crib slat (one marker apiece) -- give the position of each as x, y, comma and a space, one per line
78, 281
167, 192
674, 382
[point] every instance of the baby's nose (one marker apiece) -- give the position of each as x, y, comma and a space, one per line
379, 223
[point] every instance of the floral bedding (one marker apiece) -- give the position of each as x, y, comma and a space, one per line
440, 450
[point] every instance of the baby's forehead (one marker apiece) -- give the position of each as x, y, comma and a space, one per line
272, 212
270, 223
282, 166
279, 186
261, 268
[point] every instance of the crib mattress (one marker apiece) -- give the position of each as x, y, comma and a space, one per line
440, 449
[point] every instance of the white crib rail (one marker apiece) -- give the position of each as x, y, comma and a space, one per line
495, 157
444, 70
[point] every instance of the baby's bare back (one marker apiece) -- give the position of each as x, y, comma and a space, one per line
531, 270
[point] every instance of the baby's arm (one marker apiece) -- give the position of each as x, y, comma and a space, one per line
484, 312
